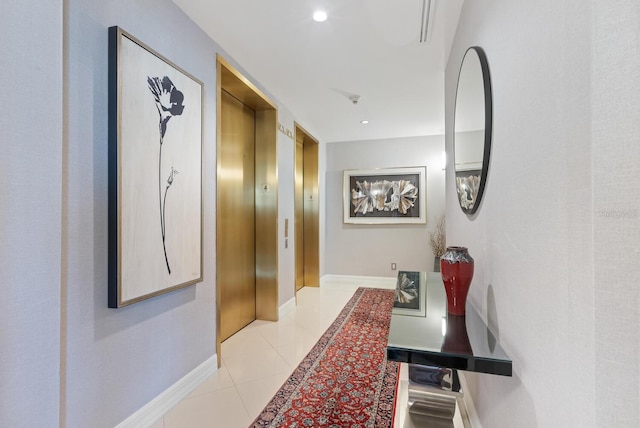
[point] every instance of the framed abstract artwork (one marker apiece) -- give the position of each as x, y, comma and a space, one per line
467, 187
155, 173
410, 294
383, 196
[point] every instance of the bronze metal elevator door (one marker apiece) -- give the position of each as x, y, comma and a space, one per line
307, 211
299, 212
236, 262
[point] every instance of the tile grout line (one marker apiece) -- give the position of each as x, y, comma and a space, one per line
235, 383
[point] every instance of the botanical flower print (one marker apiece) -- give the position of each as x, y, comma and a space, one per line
169, 104
168, 100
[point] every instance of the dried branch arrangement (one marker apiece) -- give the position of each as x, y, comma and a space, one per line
437, 237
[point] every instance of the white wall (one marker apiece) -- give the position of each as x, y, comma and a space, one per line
557, 234
30, 212
369, 250
286, 167
469, 149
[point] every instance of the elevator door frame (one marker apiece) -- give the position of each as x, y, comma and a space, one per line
266, 186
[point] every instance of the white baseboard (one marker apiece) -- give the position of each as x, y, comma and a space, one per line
287, 307
168, 399
470, 406
363, 281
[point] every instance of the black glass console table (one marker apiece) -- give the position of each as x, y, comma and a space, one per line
437, 344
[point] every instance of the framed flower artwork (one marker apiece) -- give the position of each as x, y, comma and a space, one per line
382, 196
155, 173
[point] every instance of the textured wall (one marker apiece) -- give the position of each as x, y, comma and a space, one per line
615, 146
557, 230
369, 250
117, 360
30, 212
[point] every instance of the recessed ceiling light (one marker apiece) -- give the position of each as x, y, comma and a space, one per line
319, 16
364, 122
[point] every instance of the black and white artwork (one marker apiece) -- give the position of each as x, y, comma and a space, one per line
392, 195
169, 102
155, 173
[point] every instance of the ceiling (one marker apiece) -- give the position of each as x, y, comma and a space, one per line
366, 48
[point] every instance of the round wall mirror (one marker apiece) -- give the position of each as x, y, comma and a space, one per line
472, 125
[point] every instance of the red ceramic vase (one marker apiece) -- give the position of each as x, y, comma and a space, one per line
456, 268
456, 340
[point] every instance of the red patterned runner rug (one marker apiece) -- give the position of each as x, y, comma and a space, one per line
345, 380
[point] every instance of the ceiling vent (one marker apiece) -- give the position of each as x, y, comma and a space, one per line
426, 20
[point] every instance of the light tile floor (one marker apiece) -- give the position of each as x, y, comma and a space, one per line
236, 393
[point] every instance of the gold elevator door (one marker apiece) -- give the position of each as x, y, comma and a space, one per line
299, 211
307, 236
236, 262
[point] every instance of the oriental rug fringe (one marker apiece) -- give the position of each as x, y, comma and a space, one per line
345, 380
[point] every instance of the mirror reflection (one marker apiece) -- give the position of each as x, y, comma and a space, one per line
472, 138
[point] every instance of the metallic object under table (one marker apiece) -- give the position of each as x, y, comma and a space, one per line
433, 391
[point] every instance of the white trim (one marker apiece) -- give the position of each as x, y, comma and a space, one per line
159, 406
364, 281
470, 406
287, 307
